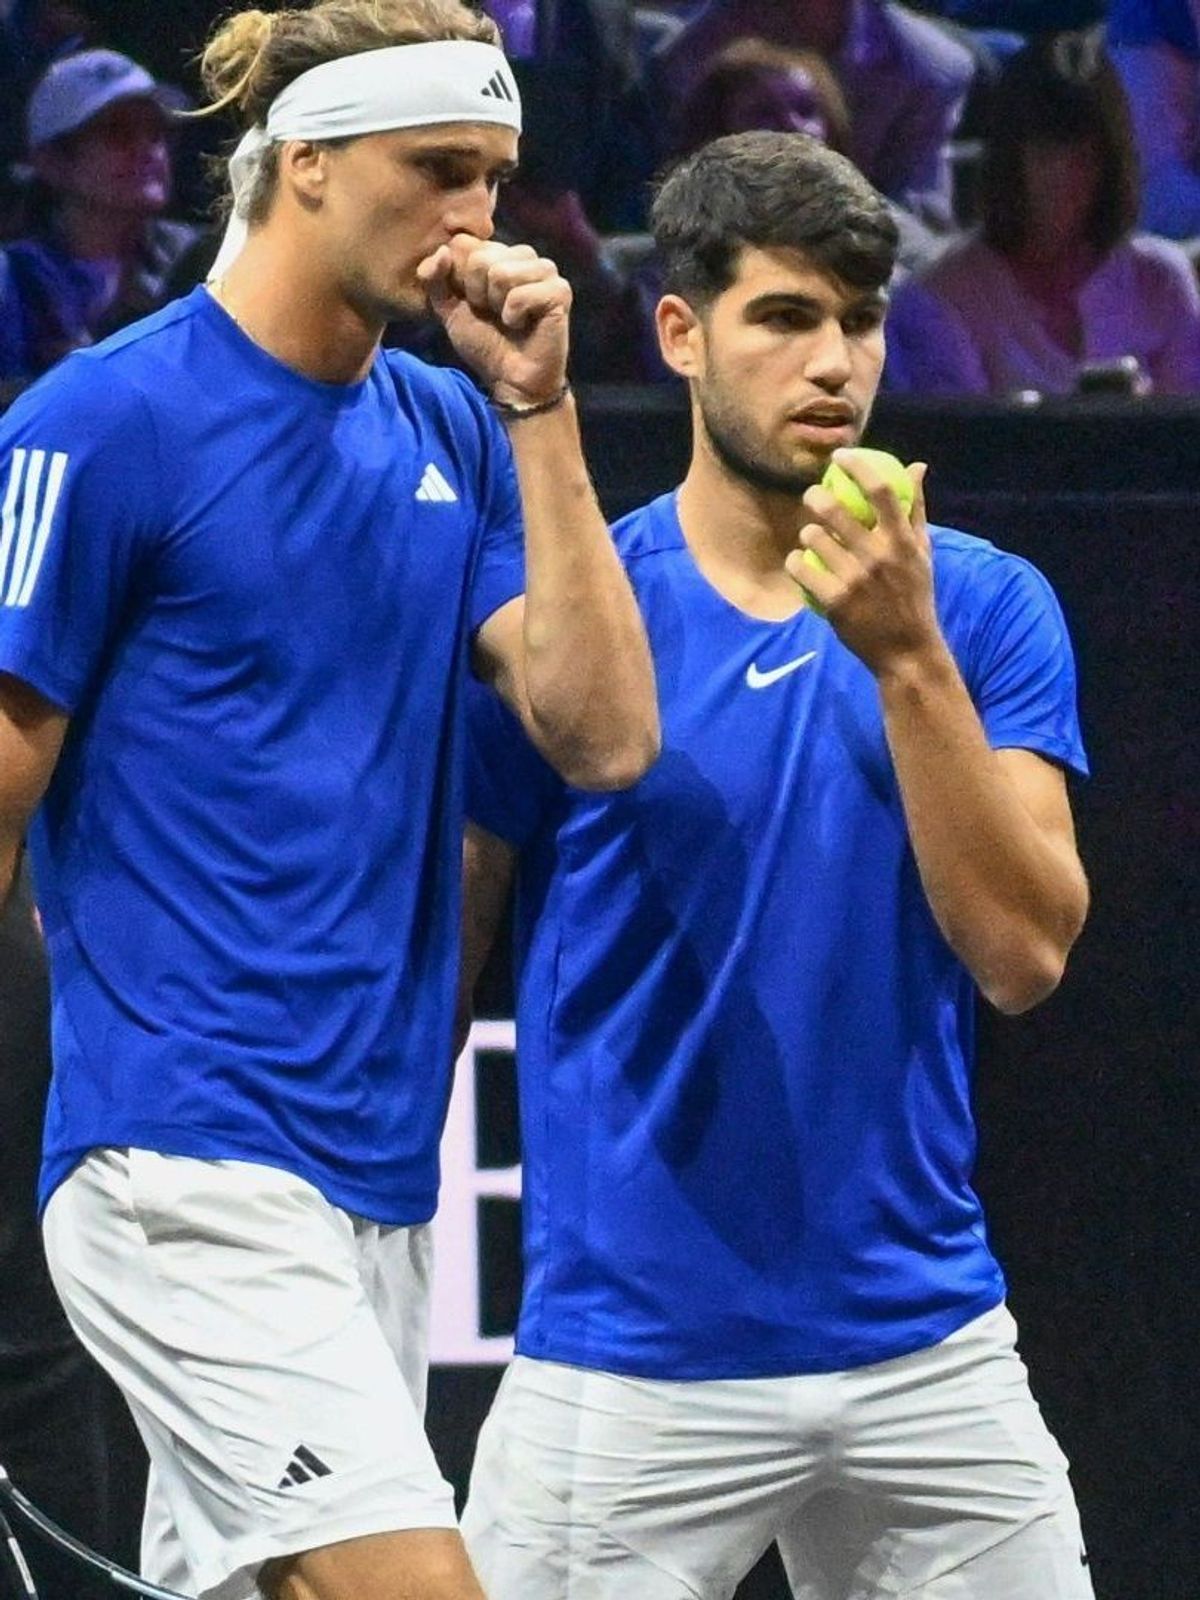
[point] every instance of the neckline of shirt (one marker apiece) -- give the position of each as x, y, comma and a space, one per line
226, 324
669, 508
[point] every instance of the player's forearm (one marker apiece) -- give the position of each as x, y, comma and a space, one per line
1009, 898
587, 670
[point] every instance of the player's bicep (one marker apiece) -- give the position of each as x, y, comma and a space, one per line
1041, 787
32, 730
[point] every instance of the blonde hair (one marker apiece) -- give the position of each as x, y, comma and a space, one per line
254, 55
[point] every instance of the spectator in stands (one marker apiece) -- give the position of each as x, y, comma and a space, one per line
1156, 47
1055, 279
98, 250
756, 84
904, 77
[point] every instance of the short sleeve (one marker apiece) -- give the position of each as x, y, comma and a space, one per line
509, 788
77, 466
499, 574
1024, 683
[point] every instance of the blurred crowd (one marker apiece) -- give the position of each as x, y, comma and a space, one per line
1042, 158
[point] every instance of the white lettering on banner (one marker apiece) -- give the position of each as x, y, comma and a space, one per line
454, 1336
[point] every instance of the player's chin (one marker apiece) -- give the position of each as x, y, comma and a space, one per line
785, 472
403, 301
807, 462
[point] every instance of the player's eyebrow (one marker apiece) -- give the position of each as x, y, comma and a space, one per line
810, 305
784, 300
464, 150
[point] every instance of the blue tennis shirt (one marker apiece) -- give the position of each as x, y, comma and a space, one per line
253, 593
743, 1044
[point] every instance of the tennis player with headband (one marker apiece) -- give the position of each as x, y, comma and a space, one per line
246, 563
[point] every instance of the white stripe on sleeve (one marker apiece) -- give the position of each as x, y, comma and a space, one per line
54, 483
29, 507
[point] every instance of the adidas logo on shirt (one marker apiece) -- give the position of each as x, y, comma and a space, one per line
304, 1466
496, 88
434, 487
30, 502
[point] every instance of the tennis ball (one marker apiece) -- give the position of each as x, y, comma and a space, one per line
844, 489
847, 493
810, 558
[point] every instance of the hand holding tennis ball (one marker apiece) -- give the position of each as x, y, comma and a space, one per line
844, 489
847, 493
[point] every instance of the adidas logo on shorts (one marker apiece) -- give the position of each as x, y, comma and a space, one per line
304, 1466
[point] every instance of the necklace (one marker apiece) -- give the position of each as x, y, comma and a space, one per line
216, 288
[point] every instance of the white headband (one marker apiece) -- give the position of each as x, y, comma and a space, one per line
374, 91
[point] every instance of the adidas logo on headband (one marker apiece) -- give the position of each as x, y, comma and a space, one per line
497, 89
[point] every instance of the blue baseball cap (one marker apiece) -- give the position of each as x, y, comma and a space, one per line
78, 87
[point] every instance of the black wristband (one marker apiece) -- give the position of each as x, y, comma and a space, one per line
511, 413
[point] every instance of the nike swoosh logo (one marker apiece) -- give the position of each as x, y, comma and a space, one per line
760, 680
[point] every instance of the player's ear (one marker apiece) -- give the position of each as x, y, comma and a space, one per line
303, 167
680, 335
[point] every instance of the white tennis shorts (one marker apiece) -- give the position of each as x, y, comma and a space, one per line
930, 1476
273, 1351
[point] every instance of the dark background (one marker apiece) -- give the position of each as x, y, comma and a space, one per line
1090, 1159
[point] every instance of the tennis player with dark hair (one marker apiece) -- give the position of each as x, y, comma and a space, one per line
245, 562
759, 1301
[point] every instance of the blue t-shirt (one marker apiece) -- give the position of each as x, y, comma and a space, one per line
743, 1043
253, 592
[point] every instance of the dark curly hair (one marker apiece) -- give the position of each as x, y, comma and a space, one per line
769, 191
